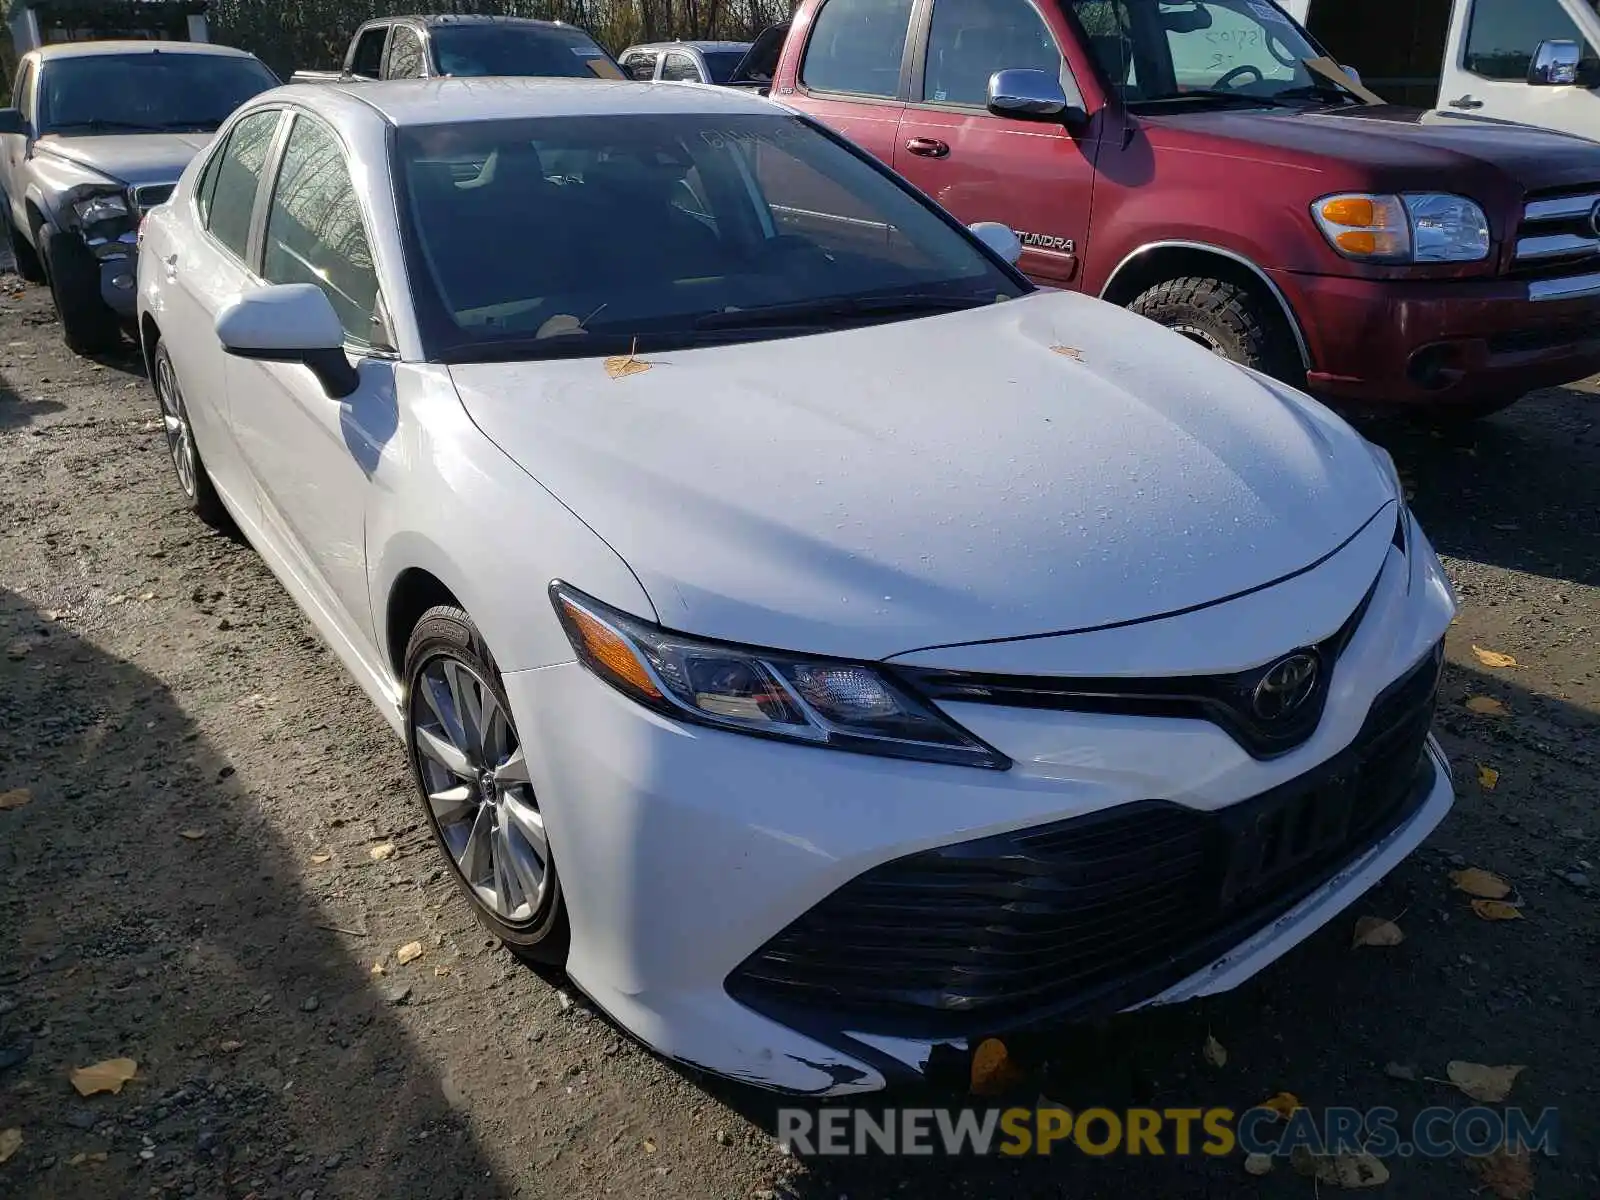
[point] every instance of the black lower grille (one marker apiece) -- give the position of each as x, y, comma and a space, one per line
1094, 913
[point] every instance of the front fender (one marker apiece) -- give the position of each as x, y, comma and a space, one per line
53, 181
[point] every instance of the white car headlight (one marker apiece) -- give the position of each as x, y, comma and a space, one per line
822, 702
1418, 227
110, 206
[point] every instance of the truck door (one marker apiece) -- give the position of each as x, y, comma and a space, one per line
849, 76
1034, 176
1492, 48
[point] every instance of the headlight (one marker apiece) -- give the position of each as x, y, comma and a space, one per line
108, 207
822, 702
1421, 227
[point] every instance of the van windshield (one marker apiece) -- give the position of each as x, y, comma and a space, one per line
1164, 51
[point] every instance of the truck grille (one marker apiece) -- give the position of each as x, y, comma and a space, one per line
1558, 233
151, 194
1089, 915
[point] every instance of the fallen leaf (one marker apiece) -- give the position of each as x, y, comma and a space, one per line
146, 597
1071, 352
78, 1159
230, 1046
1493, 658
408, 953
108, 1076
15, 798
620, 366
1257, 1164
649, 1146
98, 1156
377, 968
1487, 1084
1375, 931
1485, 706
1213, 1052
1488, 777
193, 835
993, 1072
1350, 1170
319, 859
1496, 910
1509, 1175
1475, 881
440, 972
382, 852
10, 1143
1283, 1103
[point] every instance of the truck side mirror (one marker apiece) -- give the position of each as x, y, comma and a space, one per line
1031, 96
1555, 63
11, 121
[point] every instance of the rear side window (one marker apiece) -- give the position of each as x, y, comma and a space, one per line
856, 46
226, 205
1504, 34
368, 60
640, 65
972, 39
680, 68
405, 54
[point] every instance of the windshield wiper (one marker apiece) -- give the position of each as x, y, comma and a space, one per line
196, 125
828, 312
102, 124
1319, 91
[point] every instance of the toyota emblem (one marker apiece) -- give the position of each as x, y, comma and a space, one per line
1286, 687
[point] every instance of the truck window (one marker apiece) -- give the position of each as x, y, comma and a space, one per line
640, 65
856, 46
680, 68
405, 54
1504, 34
972, 39
1235, 37
368, 59
22, 93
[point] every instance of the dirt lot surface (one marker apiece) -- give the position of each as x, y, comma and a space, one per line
197, 881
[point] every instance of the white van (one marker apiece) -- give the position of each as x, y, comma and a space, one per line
1535, 61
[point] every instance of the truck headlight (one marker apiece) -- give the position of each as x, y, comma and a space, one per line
1417, 227
110, 206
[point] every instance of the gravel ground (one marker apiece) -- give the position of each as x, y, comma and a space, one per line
198, 882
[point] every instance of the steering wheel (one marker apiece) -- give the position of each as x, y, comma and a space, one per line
1241, 70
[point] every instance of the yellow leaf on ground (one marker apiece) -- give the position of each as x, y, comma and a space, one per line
377, 968
1283, 1103
1485, 706
1487, 1084
78, 1159
1488, 777
193, 835
408, 953
1214, 1053
1496, 910
1493, 658
1257, 1164
1507, 1175
10, 1143
1486, 885
440, 972
230, 1046
993, 1072
319, 859
1375, 931
108, 1076
15, 798
382, 851
1349, 1170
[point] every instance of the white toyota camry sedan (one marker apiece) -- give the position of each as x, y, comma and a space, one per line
828, 646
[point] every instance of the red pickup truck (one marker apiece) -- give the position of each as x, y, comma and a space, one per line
1204, 163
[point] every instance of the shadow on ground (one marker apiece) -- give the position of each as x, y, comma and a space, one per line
149, 911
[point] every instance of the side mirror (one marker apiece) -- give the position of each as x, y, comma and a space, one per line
999, 238
1030, 95
11, 121
290, 323
1555, 63
1355, 75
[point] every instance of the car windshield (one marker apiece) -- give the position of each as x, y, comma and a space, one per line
1161, 52
146, 93
465, 51
577, 235
722, 63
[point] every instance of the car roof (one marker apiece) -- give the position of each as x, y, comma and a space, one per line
432, 20
134, 46
454, 101
701, 46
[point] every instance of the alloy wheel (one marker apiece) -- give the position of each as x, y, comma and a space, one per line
175, 417
475, 778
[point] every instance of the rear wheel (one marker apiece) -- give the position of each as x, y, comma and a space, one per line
191, 471
1225, 318
22, 253
87, 324
471, 768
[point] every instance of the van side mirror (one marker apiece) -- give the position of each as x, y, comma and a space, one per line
11, 121
1031, 96
1555, 63
290, 323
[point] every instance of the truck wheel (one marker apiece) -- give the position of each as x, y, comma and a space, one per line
87, 325
28, 265
1223, 317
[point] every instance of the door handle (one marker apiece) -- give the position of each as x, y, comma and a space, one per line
925, 147
1466, 102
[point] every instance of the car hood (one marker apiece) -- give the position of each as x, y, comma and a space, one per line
133, 159
1048, 464
1408, 146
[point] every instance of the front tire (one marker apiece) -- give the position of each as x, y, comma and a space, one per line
87, 325
1225, 318
186, 462
471, 772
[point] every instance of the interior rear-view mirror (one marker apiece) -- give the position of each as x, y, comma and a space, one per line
1555, 63
999, 238
1186, 20
290, 323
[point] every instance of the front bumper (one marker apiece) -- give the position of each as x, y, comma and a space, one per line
119, 285
684, 851
1467, 342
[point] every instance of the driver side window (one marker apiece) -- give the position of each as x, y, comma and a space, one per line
1234, 40
972, 39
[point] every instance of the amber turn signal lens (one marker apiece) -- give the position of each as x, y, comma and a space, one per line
1356, 212
610, 652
